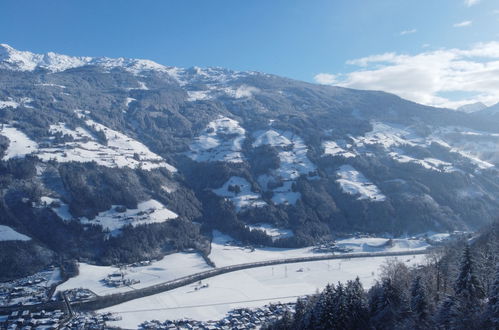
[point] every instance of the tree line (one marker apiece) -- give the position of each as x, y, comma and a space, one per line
458, 288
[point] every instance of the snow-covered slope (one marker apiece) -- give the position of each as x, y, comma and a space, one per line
238, 191
221, 140
294, 162
9, 234
118, 216
355, 183
120, 150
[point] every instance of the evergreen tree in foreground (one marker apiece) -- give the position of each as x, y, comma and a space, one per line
492, 314
420, 305
469, 294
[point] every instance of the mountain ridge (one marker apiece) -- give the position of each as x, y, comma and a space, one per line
88, 155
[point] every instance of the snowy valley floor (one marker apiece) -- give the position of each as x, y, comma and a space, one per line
249, 288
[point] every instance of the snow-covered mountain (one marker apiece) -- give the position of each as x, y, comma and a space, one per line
98, 154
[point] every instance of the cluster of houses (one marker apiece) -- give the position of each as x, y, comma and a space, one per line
24, 319
79, 294
28, 290
91, 321
241, 318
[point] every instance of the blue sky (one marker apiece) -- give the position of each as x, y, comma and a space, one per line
297, 39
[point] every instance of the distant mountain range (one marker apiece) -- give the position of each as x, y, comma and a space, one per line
122, 159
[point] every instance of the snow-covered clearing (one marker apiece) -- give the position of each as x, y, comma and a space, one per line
9, 234
118, 216
428, 163
169, 268
60, 208
224, 253
294, 162
242, 91
480, 148
249, 288
271, 230
150, 211
198, 95
129, 100
355, 183
221, 140
120, 151
332, 148
388, 135
238, 191
20, 144
15, 103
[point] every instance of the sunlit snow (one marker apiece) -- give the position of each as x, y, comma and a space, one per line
238, 191
355, 183
221, 140
9, 234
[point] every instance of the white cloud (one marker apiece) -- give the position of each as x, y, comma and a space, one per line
463, 24
428, 76
325, 78
410, 31
470, 3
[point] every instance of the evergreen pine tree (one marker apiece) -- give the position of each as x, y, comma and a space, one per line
492, 314
356, 304
444, 317
388, 306
469, 295
420, 305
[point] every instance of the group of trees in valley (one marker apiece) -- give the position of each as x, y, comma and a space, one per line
458, 288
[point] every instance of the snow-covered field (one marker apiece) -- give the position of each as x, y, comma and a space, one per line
271, 230
170, 267
150, 211
428, 163
249, 288
15, 103
223, 253
355, 183
294, 162
20, 144
118, 216
221, 140
241, 198
334, 149
120, 151
9, 234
